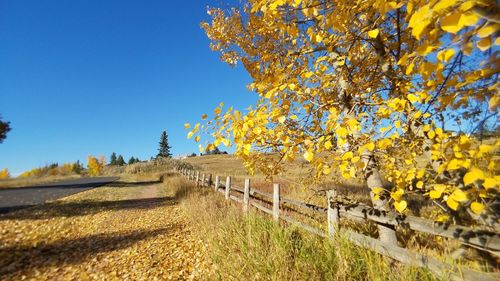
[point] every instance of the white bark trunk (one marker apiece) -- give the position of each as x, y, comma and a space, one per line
373, 180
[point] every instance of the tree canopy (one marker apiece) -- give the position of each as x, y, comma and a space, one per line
4, 129
396, 87
112, 159
120, 161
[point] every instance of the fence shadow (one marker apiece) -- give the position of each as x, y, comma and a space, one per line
16, 259
72, 209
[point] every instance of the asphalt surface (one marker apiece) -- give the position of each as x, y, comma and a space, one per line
21, 197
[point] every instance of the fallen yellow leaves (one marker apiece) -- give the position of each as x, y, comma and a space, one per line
103, 234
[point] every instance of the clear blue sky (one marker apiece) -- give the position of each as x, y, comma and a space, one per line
87, 77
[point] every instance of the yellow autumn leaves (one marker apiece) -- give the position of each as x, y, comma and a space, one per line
108, 233
4, 174
95, 165
398, 82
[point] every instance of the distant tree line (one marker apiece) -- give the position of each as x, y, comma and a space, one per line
55, 169
115, 160
215, 151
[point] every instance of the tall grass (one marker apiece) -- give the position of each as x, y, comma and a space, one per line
253, 247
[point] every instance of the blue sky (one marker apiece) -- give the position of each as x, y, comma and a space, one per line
87, 77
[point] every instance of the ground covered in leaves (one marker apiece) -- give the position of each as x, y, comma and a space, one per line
129, 231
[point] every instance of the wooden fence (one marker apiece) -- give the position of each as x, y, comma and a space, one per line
481, 239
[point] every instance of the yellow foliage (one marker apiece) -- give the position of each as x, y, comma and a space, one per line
4, 174
308, 155
334, 88
477, 207
95, 166
400, 206
52, 170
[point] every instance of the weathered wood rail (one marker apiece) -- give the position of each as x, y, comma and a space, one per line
486, 240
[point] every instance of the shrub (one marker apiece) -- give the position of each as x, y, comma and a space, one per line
95, 166
4, 174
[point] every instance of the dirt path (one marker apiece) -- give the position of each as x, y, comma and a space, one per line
109, 233
150, 191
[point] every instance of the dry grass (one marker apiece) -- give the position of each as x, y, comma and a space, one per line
293, 188
254, 247
296, 182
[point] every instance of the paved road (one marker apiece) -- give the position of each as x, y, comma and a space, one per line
20, 197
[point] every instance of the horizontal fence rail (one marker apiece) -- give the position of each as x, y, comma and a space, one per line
277, 206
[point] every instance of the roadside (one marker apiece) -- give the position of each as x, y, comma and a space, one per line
21, 182
22, 197
130, 231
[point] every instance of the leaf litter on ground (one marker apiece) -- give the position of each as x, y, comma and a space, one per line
108, 233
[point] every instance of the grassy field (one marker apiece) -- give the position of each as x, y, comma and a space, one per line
253, 247
295, 187
295, 182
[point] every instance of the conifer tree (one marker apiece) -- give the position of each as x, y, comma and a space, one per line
120, 161
112, 159
131, 160
4, 129
164, 150
78, 167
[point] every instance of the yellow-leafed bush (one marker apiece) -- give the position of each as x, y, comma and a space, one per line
95, 166
4, 174
54, 170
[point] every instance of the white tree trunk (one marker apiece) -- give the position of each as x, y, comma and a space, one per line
373, 180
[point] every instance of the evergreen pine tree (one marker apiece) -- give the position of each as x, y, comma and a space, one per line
120, 161
4, 129
78, 167
112, 159
164, 150
131, 160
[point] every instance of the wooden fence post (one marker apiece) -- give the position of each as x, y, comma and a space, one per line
276, 202
246, 195
203, 180
209, 181
217, 181
227, 192
197, 178
332, 213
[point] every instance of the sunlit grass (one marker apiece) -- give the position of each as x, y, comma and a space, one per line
253, 247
